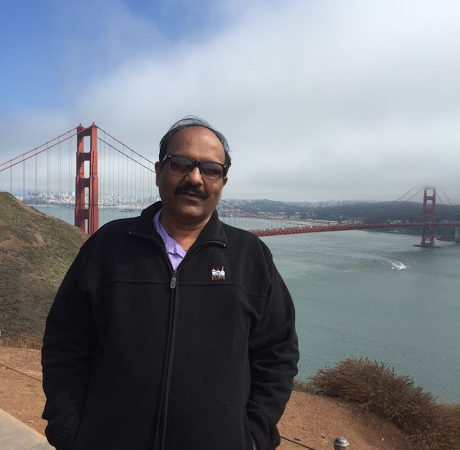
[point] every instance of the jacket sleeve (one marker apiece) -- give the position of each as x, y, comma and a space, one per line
68, 351
273, 357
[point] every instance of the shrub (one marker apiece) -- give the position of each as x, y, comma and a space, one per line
375, 387
303, 386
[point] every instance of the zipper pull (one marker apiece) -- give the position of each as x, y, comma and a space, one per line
172, 285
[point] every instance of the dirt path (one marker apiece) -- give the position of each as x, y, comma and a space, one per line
311, 420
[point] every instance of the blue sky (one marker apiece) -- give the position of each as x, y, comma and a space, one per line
53, 49
363, 97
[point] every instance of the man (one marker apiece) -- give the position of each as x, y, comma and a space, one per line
171, 330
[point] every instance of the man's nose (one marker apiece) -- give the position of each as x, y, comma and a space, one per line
194, 176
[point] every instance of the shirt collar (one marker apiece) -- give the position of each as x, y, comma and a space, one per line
172, 246
213, 231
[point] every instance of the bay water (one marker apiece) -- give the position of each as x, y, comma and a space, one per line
368, 295
375, 295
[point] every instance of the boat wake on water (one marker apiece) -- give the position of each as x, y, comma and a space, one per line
396, 265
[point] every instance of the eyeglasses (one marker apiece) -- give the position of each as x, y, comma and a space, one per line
182, 166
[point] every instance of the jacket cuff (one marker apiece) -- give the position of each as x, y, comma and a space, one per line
264, 439
62, 430
63, 417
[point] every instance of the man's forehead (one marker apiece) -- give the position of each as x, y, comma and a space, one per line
195, 132
195, 136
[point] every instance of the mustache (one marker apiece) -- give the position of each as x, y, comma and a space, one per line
189, 187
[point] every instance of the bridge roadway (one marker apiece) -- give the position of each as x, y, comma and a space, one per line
345, 227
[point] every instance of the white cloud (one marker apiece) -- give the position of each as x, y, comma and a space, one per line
319, 100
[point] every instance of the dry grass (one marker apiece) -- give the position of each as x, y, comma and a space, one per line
35, 252
376, 387
9, 339
303, 386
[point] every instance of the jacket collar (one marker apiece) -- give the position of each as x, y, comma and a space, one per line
212, 232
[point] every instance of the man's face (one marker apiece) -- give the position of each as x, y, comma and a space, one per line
191, 199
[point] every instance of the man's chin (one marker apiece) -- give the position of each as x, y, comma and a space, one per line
190, 212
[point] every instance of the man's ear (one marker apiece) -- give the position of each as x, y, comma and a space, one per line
224, 181
157, 171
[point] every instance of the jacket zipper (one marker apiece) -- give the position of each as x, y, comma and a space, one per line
160, 426
162, 419
172, 285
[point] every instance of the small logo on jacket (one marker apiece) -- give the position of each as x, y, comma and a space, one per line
217, 274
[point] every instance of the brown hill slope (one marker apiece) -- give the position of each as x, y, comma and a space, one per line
35, 252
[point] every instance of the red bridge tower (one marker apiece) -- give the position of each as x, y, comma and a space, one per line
429, 207
86, 187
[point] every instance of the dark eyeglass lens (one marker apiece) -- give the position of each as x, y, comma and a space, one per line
211, 170
181, 166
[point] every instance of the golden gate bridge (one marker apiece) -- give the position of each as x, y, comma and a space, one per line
87, 174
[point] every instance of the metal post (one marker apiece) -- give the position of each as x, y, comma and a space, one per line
340, 443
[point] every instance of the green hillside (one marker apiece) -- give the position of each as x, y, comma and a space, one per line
35, 252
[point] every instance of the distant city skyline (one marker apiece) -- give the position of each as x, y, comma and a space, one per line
109, 199
319, 100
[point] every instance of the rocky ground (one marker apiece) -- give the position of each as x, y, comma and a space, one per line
310, 420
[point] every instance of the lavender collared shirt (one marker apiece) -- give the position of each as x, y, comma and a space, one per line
173, 249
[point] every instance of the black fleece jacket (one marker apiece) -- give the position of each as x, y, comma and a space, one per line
138, 356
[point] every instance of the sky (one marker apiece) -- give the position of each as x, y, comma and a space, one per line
319, 100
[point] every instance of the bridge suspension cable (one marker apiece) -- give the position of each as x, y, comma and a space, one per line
48, 145
126, 179
37, 176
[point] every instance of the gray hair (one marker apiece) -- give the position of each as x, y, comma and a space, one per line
192, 121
